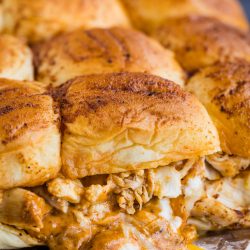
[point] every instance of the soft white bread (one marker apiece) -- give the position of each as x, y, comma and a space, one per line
41, 19
202, 41
29, 135
103, 51
127, 121
15, 59
12, 238
146, 14
224, 89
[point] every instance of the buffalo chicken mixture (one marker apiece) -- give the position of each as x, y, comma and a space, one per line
226, 202
136, 207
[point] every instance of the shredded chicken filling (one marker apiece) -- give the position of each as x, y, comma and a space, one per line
228, 165
74, 211
136, 188
226, 202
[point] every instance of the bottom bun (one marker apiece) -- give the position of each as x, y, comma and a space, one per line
11, 238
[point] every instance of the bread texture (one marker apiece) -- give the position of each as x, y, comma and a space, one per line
224, 89
103, 51
1, 18
41, 19
15, 59
202, 41
12, 238
146, 14
29, 135
129, 121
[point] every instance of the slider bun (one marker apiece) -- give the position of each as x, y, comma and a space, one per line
15, 59
1, 18
12, 238
103, 51
202, 41
224, 89
41, 19
146, 14
129, 121
29, 135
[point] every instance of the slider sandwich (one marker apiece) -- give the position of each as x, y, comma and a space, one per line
148, 14
224, 89
103, 51
16, 59
40, 20
29, 156
132, 150
200, 41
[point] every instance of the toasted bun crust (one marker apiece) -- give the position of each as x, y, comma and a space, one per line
40, 19
146, 14
1, 18
103, 51
202, 41
15, 59
29, 135
12, 238
224, 89
127, 121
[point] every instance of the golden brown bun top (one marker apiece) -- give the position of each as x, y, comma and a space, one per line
103, 51
15, 59
41, 19
23, 110
224, 89
146, 14
202, 41
159, 120
29, 135
1, 18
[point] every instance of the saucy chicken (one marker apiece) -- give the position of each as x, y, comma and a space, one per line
75, 214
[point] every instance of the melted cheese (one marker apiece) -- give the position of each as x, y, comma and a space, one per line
167, 183
231, 192
167, 213
129, 246
193, 247
193, 191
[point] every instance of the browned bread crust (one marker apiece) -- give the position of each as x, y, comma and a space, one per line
41, 19
201, 41
29, 135
224, 89
15, 59
147, 14
103, 51
126, 121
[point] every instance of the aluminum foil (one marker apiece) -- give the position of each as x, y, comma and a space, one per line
231, 240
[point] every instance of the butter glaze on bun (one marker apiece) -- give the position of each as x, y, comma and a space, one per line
224, 89
129, 121
41, 19
15, 59
146, 14
29, 135
103, 51
202, 41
